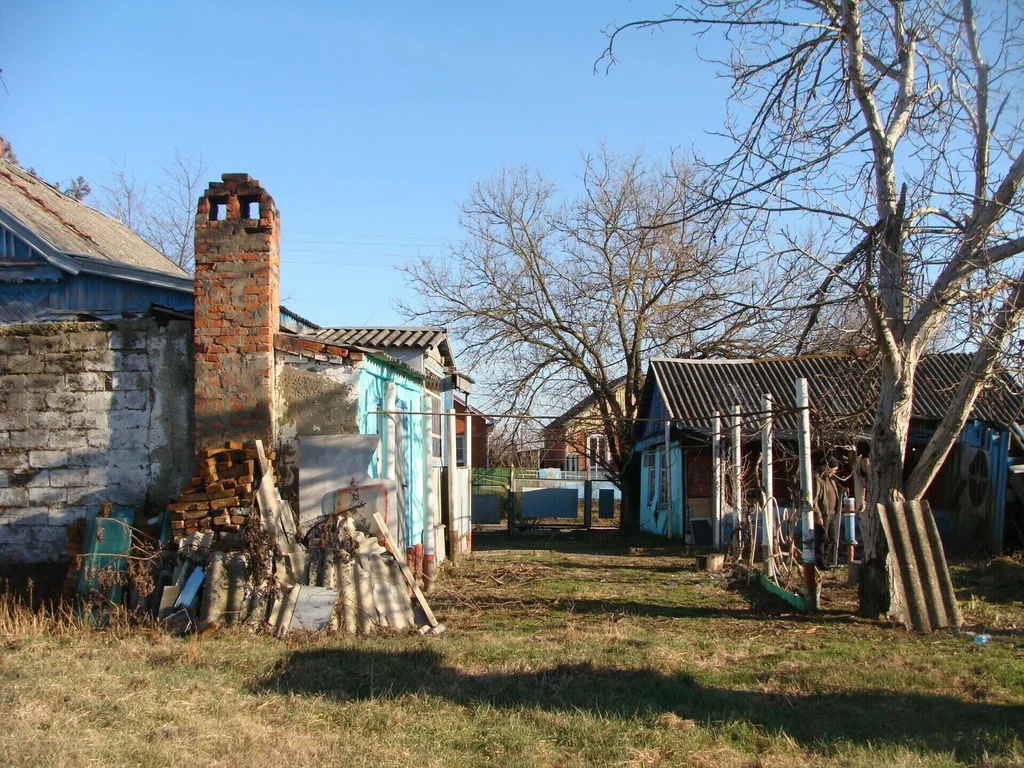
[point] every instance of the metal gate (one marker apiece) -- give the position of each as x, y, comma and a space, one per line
543, 498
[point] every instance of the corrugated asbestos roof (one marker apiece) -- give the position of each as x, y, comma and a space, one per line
423, 337
840, 387
72, 227
420, 337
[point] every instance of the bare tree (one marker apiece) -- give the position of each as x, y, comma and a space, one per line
557, 301
172, 219
77, 188
895, 125
125, 198
165, 218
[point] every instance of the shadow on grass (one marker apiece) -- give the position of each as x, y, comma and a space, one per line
596, 542
865, 718
768, 607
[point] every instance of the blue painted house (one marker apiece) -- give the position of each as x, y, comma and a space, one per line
977, 498
61, 259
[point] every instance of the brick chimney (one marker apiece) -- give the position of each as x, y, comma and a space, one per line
237, 311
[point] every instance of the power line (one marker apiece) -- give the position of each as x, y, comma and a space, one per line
358, 242
724, 415
352, 253
349, 234
287, 262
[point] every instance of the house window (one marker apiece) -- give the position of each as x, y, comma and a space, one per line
597, 451
435, 425
651, 471
460, 450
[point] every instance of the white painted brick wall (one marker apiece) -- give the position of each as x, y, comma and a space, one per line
89, 413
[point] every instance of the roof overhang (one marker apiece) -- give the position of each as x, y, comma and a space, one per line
75, 263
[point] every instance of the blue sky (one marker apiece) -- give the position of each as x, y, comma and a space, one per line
368, 123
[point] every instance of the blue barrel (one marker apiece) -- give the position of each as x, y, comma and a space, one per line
850, 520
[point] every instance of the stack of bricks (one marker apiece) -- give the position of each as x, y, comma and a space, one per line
219, 498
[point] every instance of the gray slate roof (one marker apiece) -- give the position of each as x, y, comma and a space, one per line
71, 227
839, 387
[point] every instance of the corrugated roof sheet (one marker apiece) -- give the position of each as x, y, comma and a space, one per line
422, 337
840, 388
73, 227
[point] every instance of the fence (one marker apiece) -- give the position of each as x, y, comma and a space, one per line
533, 497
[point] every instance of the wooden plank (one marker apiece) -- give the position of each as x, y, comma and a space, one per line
409, 577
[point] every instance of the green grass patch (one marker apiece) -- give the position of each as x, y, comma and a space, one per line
559, 653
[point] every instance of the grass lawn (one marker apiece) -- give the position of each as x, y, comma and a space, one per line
563, 654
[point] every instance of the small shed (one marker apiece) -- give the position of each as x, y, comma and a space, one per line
673, 438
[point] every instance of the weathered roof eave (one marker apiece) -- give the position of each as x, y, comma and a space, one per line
40, 245
133, 274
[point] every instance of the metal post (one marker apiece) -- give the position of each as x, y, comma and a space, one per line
806, 491
737, 481
767, 483
588, 503
469, 441
716, 480
668, 480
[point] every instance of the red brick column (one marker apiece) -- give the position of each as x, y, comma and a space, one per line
237, 311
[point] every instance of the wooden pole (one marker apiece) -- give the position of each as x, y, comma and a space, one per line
806, 491
453, 487
716, 479
668, 480
737, 481
768, 484
511, 500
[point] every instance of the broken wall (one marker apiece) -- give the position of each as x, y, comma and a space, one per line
89, 412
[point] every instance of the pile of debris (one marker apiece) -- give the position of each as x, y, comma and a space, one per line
234, 556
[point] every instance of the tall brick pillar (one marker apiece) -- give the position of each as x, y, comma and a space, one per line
237, 311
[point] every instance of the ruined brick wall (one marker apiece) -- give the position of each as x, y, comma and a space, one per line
89, 412
237, 311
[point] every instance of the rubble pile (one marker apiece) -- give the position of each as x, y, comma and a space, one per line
235, 556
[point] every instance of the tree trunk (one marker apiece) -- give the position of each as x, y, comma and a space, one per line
889, 433
629, 508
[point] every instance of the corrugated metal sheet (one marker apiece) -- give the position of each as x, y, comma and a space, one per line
840, 388
423, 337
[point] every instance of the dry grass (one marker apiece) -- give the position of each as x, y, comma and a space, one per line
575, 656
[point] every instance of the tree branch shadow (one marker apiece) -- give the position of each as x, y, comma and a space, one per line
932, 723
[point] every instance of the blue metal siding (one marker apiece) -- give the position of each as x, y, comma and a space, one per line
84, 293
33, 301
32, 289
